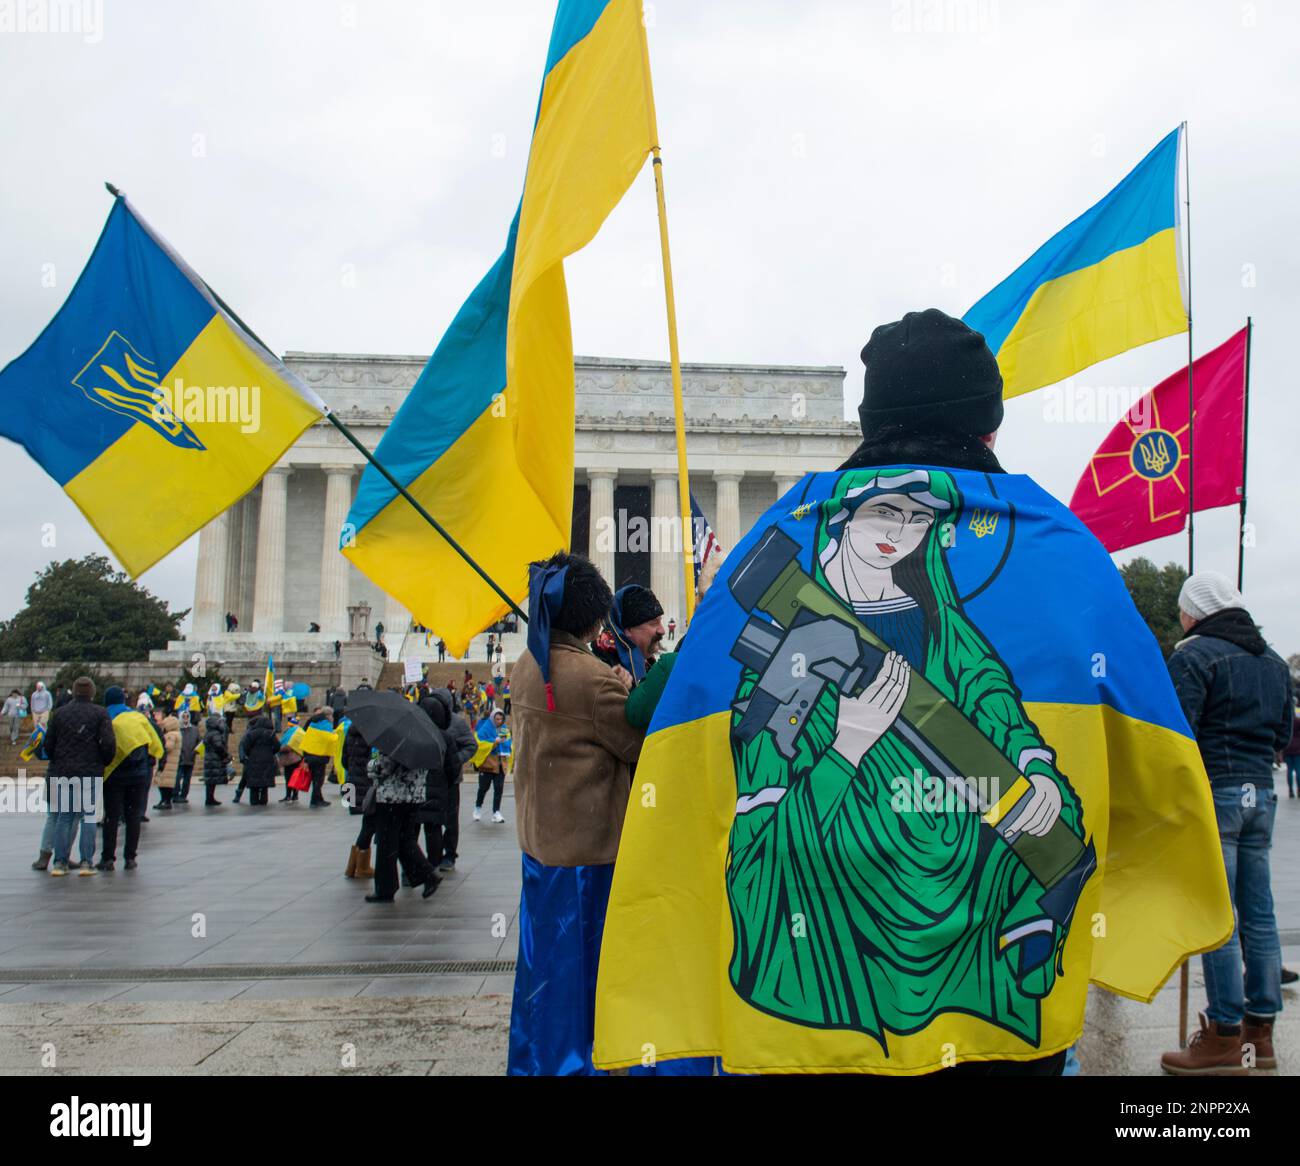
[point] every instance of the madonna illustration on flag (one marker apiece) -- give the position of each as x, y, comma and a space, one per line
1137, 486
925, 778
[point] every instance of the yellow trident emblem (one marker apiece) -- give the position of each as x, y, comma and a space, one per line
1155, 455
983, 522
120, 379
802, 511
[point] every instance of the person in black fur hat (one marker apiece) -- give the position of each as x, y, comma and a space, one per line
932, 396
633, 632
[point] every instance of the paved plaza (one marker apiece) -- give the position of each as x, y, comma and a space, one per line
287, 970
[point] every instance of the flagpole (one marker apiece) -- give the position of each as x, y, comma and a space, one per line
674, 355
1191, 397
1245, 448
423, 513
1183, 977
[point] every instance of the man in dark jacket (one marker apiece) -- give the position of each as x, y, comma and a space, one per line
442, 841
1237, 694
356, 761
216, 756
258, 750
127, 777
79, 742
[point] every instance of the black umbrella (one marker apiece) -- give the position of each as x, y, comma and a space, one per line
397, 728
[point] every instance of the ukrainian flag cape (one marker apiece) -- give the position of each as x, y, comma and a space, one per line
146, 400
132, 729
492, 414
1110, 281
923, 776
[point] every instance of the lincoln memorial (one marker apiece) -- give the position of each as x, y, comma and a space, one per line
752, 432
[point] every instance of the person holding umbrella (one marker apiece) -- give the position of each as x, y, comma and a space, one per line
407, 785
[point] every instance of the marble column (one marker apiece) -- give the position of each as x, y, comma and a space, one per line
666, 544
728, 528
603, 532
243, 607
268, 590
210, 578
234, 560
397, 620
333, 616
785, 483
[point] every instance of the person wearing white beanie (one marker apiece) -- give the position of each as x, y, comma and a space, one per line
1205, 594
1237, 695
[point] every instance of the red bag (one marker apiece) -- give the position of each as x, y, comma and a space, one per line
300, 779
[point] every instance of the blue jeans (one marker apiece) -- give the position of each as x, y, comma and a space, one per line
1246, 835
65, 824
1293, 774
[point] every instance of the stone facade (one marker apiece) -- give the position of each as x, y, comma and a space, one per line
752, 432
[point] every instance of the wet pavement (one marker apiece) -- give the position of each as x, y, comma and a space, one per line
303, 976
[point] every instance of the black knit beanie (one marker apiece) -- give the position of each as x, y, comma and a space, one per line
639, 605
929, 371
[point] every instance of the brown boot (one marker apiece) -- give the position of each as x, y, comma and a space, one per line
351, 870
1257, 1033
1209, 1053
364, 869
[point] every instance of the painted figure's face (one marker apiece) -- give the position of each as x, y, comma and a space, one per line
884, 531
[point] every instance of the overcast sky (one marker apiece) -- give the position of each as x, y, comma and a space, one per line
343, 174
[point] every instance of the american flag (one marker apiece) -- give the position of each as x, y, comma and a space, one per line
706, 542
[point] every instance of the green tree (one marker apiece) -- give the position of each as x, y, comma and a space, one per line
84, 610
1155, 595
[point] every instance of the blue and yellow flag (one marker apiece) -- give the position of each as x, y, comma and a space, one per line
1110, 281
492, 414
924, 776
270, 687
35, 742
146, 400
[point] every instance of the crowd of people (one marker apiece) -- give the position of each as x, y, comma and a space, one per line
576, 710
167, 740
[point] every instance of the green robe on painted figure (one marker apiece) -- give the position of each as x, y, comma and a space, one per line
846, 913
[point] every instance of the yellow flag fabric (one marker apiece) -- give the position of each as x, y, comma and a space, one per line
132, 730
492, 415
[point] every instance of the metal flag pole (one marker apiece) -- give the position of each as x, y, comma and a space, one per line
674, 356
423, 513
1245, 449
1183, 975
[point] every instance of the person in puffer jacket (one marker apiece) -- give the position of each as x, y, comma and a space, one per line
216, 756
166, 778
442, 841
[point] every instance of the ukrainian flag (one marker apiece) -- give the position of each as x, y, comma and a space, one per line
1111, 281
272, 694
146, 400
877, 876
492, 414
